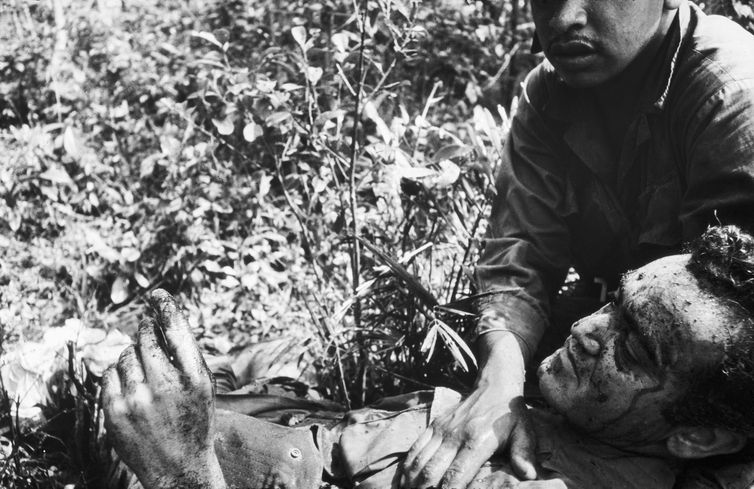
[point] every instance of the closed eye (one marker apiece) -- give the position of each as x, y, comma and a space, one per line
632, 355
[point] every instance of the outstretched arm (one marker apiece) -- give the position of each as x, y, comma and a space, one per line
159, 404
524, 261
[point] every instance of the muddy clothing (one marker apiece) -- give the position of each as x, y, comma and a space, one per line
567, 196
366, 447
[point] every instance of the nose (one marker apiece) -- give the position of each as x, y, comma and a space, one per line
570, 16
587, 333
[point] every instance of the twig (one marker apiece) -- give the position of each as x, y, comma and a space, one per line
425, 112
355, 248
329, 337
403, 377
466, 254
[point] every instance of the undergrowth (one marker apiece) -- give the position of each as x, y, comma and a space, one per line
317, 170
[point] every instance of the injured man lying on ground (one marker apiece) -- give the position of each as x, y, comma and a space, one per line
653, 382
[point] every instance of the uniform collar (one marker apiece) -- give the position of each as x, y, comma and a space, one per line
678, 32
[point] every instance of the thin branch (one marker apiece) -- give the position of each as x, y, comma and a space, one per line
355, 250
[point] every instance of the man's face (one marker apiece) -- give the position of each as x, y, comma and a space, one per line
590, 41
624, 364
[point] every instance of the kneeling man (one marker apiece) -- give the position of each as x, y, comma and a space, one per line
662, 375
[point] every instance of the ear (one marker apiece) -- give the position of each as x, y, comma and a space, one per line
672, 4
701, 442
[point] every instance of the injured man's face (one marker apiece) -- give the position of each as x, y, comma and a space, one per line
624, 365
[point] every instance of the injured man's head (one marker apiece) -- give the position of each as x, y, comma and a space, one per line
667, 368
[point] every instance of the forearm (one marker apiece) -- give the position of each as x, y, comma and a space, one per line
502, 361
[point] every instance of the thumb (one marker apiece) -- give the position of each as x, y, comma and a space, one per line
523, 445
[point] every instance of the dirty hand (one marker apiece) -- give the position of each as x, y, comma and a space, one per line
159, 404
494, 416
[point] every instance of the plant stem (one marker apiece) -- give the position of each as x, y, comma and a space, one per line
355, 247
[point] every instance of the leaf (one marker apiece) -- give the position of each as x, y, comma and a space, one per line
230, 282
265, 182
330, 114
208, 36
119, 290
252, 131
455, 340
289, 87
225, 126
120, 111
277, 118
212, 247
141, 280
299, 35
265, 86
454, 351
98, 245
212, 266
400, 271
146, 169
428, 345
57, 174
340, 41
130, 254
485, 122
51, 193
70, 143
457, 312
448, 175
370, 112
313, 74
451, 151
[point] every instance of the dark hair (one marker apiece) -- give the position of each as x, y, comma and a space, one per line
722, 259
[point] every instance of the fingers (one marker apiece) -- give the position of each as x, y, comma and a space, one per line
110, 387
178, 336
467, 463
129, 370
522, 452
523, 443
153, 358
427, 465
411, 464
112, 399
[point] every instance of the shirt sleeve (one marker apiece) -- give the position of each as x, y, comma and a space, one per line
527, 247
720, 160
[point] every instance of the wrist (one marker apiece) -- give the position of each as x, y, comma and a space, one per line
205, 474
502, 363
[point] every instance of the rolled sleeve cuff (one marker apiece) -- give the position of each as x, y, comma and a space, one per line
508, 311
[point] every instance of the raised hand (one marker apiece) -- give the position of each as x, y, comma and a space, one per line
159, 404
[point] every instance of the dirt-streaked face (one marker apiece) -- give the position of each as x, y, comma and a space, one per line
590, 41
623, 364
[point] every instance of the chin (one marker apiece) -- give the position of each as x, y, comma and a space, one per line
582, 80
551, 393
587, 76
553, 382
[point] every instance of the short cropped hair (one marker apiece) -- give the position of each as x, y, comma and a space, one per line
722, 260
